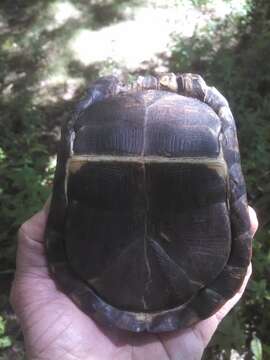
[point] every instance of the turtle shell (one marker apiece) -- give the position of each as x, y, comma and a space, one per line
148, 228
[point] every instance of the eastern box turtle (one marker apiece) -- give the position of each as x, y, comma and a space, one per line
148, 228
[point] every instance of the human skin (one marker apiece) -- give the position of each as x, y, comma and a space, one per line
54, 328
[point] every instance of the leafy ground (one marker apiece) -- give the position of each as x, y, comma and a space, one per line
50, 51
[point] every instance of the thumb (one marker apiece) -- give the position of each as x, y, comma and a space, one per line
31, 249
32, 275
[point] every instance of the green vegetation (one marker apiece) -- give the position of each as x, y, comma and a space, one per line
256, 348
232, 56
40, 80
5, 341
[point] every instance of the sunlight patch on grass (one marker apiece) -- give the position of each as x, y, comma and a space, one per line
61, 12
57, 86
134, 42
222, 8
10, 46
53, 80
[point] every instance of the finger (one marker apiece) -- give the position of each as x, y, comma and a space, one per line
31, 252
32, 280
232, 302
206, 328
34, 227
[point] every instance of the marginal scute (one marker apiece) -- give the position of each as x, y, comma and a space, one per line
215, 100
169, 82
192, 85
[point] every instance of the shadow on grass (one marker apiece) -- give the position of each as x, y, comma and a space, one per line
32, 108
33, 45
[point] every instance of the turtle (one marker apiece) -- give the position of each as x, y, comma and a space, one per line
148, 228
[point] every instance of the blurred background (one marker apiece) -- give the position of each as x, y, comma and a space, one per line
51, 50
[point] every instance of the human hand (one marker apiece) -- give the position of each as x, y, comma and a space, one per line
54, 328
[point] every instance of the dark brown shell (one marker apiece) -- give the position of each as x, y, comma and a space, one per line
148, 228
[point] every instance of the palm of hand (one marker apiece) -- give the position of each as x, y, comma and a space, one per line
54, 328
